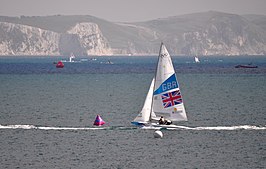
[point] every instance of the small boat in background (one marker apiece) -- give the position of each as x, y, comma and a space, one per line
196, 59
60, 64
71, 58
246, 66
109, 62
84, 60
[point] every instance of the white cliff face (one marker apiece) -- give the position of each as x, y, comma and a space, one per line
211, 33
19, 39
91, 38
222, 41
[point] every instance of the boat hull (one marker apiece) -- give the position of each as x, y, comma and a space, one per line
154, 125
245, 66
164, 125
139, 124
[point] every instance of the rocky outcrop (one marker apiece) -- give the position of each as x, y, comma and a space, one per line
209, 33
19, 39
225, 35
91, 39
82, 39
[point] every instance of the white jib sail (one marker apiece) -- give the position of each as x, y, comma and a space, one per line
144, 115
167, 99
196, 59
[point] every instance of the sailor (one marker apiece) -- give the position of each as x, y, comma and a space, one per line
168, 122
161, 121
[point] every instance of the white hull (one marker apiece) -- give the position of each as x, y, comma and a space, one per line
164, 125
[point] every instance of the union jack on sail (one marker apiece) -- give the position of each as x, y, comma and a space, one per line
172, 98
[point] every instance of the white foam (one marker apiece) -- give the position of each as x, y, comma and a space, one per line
27, 127
173, 127
151, 127
69, 128
17, 126
243, 127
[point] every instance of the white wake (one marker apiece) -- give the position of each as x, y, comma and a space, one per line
27, 127
242, 127
171, 127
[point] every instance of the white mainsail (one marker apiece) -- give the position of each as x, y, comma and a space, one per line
164, 97
167, 99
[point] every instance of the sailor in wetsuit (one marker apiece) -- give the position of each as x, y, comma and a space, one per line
168, 122
164, 121
161, 121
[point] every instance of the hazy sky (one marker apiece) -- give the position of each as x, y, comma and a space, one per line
128, 10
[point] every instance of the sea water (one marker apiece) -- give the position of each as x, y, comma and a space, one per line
47, 114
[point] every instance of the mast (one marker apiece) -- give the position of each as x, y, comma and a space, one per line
155, 78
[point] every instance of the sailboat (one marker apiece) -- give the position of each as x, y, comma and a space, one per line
196, 59
164, 97
71, 58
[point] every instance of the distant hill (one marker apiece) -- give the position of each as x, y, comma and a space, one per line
259, 20
208, 33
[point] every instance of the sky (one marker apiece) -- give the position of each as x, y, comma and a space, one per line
128, 10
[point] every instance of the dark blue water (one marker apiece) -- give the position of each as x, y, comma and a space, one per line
46, 114
44, 65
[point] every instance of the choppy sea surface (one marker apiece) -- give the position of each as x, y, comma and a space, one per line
47, 114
